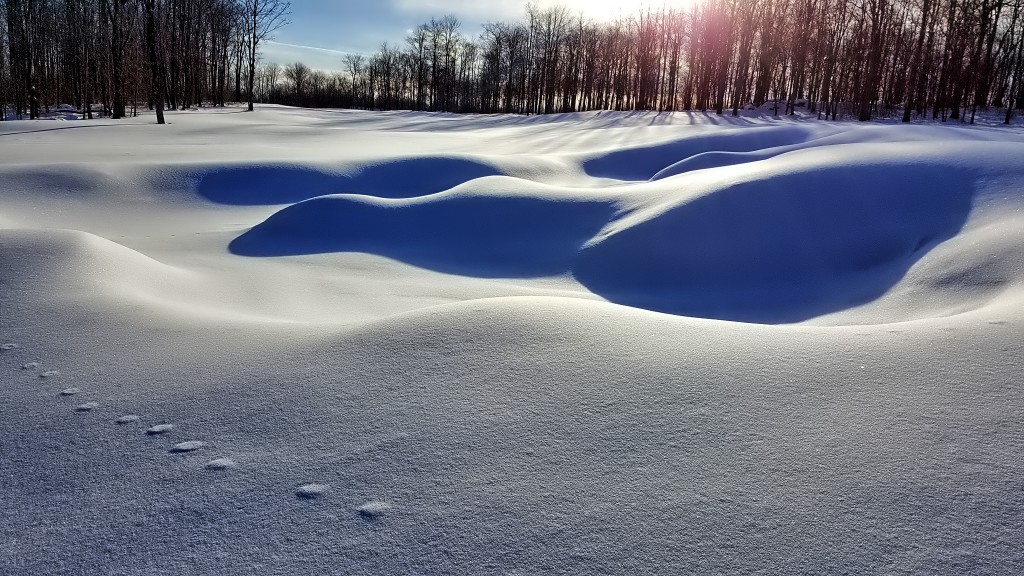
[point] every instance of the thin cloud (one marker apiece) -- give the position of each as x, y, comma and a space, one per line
317, 48
328, 59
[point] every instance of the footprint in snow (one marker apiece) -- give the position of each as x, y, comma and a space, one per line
30, 366
220, 464
160, 429
311, 491
189, 446
87, 407
127, 419
50, 374
8, 346
373, 509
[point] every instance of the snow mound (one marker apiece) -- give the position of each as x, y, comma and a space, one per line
795, 237
68, 181
644, 162
71, 258
981, 268
263, 184
856, 135
497, 227
818, 228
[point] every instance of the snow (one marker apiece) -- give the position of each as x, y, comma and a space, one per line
374, 509
159, 429
188, 446
220, 464
300, 341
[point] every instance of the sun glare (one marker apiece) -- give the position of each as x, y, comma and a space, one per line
605, 10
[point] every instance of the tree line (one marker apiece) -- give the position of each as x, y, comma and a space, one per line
941, 59
118, 54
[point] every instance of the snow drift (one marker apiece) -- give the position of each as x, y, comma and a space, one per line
789, 240
473, 230
800, 234
388, 178
645, 162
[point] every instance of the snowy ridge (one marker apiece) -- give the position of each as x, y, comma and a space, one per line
391, 178
487, 228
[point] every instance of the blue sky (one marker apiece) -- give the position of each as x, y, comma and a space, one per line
323, 31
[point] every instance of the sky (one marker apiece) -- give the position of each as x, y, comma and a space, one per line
323, 31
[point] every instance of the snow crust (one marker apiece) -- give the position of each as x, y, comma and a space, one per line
345, 342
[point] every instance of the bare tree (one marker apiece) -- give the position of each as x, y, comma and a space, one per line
156, 74
297, 74
839, 58
262, 19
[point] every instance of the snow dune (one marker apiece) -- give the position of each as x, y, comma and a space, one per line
813, 231
490, 228
352, 342
392, 178
796, 236
643, 162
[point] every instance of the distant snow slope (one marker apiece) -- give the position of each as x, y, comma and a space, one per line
340, 342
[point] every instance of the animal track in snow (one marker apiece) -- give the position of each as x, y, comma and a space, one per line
220, 464
373, 509
308, 491
160, 429
311, 491
189, 446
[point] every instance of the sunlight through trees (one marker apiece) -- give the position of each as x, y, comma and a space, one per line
940, 59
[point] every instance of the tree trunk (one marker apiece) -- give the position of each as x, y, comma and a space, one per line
155, 70
916, 69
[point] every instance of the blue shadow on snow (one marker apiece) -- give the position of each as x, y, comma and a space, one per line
784, 249
643, 163
480, 236
261, 185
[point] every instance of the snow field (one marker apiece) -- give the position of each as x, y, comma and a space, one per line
357, 343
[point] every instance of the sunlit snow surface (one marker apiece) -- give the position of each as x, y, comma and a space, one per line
340, 342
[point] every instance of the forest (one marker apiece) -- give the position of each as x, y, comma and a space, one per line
839, 59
